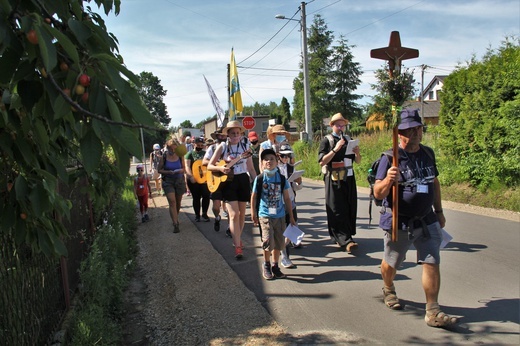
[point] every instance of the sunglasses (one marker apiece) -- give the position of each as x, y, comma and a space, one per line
139, 170
283, 156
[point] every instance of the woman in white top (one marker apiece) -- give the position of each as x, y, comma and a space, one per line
236, 192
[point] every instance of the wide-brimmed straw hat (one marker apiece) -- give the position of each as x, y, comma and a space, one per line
337, 117
216, 133
233, 124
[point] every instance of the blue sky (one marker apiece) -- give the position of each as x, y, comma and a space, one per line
179, 41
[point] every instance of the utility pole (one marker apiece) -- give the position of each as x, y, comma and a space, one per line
423, 67
306, 85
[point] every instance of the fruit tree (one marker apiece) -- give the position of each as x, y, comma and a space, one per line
68, 112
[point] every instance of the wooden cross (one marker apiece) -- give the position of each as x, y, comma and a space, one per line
395, 54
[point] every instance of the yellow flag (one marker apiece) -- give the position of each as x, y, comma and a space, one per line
235, 98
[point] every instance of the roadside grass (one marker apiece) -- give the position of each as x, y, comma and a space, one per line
454, 189
104, 276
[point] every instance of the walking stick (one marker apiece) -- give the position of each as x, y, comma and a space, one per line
394, 54
395, 188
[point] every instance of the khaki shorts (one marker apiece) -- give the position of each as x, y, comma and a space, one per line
177, 185
272, 233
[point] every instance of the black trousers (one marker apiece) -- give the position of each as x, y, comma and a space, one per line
199, 192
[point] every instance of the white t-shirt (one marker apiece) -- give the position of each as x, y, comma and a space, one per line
232, 151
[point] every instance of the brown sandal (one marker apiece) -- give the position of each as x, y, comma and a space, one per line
439, 319
390, 299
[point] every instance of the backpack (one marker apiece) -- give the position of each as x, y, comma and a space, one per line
371, 177
259, 187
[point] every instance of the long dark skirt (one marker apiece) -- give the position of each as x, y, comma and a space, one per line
341, 203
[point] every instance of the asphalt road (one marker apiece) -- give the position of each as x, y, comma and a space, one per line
334, 293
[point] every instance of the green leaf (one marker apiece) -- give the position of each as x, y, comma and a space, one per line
115, 114
59, 246
39, 201
135, 105
80, 30
128, 139
9, 61
61, 108
122, 160
47, 49
21, 188
44, 242
91, 151
65, 42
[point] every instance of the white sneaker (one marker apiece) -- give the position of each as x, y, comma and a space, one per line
287, 263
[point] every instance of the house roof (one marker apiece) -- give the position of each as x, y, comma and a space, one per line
430, 108
431, 84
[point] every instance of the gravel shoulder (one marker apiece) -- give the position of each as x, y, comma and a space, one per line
184, 293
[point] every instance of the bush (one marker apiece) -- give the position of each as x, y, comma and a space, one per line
104, 276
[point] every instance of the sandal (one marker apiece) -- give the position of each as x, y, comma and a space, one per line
439, 319
390, 299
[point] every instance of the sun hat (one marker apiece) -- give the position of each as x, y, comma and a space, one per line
138, 167
409, 118
337, 117
210, 141
216, 133
252, 136
156, 147
278, 129
231, 125
267, 152
285, 149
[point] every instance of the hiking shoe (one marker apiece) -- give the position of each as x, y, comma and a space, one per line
266, 272
277, 273
205, 218
176, 228
216, 226
238, 253
143, 219
197, 218
296, 246
228, 233
146, 217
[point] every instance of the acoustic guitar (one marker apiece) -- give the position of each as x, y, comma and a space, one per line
213, 179
199, 172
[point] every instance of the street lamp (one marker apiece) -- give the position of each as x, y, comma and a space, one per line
306, 88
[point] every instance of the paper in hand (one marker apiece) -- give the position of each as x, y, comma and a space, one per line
351, 145
294, 234
295, 175
446, 238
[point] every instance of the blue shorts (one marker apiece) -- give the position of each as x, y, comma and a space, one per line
428, 248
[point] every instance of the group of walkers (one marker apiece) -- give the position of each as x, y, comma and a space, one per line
243, 170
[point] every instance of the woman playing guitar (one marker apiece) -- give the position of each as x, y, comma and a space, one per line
237, 192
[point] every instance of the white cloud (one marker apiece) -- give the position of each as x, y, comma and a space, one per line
179, 41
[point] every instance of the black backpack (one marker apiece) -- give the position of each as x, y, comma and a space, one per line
371, 177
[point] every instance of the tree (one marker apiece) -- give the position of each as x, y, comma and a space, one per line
67, 98
398, 89
480, 117
345, 80
333, 77
152, 93
186, 124
285, 110
319, 41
